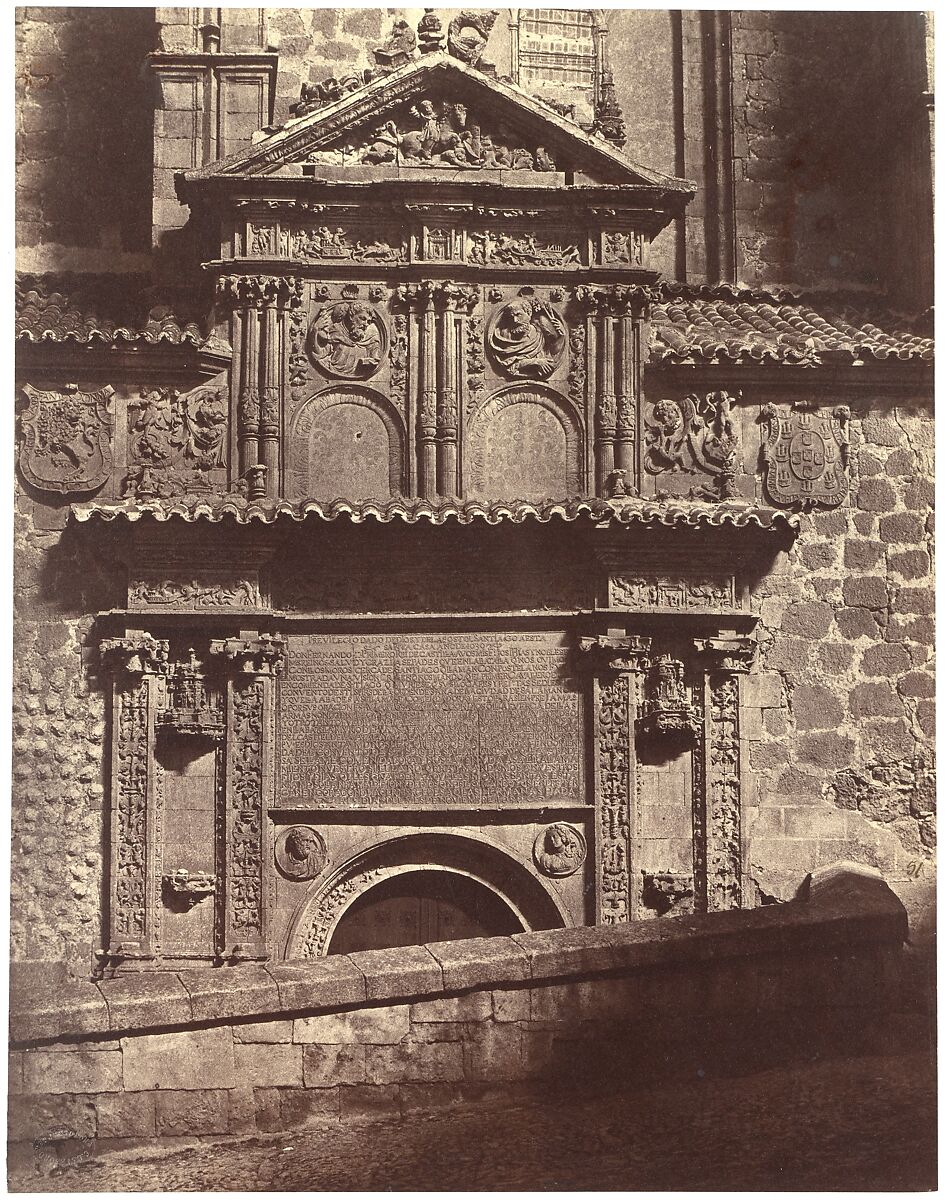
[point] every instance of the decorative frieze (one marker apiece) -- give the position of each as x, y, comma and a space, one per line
66, 444
675, 592
196, 591
522, 250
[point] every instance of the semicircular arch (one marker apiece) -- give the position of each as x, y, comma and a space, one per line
464, 853
303, 426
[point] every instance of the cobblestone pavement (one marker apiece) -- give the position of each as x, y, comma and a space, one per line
856, 1124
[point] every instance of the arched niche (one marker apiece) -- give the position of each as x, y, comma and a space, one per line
346, 442
513, 883
526, 442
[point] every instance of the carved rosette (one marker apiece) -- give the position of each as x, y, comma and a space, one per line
251, 663
618, 663
717, 799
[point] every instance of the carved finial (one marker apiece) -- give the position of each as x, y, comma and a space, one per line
608, 116
469, 32
430, 32
398, 49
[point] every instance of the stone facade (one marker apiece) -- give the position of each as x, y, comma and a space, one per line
435, 494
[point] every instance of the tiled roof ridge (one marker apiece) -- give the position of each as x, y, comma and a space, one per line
78, 307
845, 297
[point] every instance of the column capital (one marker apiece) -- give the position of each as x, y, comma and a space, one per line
137, 653
262, 654
734, 654
608, 653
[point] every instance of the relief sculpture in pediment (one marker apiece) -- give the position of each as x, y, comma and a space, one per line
527, 338
347, 340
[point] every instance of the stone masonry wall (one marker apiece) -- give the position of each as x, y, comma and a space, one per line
843, 719
84, 118
820, 101
393, 1033
59, 746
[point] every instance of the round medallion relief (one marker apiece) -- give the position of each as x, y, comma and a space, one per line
300, 853
559, 850
347, 340
527, 338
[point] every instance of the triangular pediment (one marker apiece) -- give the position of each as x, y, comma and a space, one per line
437, 115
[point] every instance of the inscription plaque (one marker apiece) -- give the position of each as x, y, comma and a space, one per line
429, 719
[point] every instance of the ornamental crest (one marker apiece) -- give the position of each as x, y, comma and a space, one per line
67, 439
805, 455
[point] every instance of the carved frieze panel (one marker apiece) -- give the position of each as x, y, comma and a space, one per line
623, 248
805, 454
436, 132
524, 248
713, 592
194, 590
66, 444
339, 245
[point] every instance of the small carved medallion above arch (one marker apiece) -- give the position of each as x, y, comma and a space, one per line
526, 442
346, 442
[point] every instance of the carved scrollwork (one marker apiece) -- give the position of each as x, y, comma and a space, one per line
244, 852
130, 884
613, 753
177, 439
724, 794
468, 34
67, 439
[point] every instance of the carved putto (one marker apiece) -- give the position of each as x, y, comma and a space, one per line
527, 338
300, 853
176, 440
347, 340
805, 457
559, 850
695, 435
326, 243
67, 439
522, 250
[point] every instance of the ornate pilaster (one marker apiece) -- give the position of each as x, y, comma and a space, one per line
717, 768
137, 664
251, 663
420, 299
617, 663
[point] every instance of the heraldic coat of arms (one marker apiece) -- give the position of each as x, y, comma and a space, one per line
805, 455
67, 439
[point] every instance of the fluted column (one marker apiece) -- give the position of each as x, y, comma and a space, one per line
625, 432
606, 401
427, 483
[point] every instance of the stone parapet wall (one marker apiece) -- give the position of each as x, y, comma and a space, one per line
247, 1050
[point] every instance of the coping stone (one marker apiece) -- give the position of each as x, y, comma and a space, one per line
153, 998
223, 992
318, 983
480, 962
404, 971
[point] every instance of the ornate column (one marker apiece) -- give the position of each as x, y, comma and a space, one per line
137, 663
248, 401
251, 663
717, 766
423, 296
628, 383
453, 300
618, 662
606, 401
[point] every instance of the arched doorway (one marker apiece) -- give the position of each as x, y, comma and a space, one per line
515, 892
419, 907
